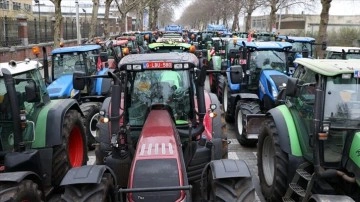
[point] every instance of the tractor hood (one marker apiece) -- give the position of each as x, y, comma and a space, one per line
275, 77
61, 87
158, 158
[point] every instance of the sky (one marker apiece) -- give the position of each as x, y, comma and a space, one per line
338, 7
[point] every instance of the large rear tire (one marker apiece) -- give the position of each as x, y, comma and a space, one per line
232, 189
241, 110
26, 190
102, 192
91, 118
272, 163
72, 152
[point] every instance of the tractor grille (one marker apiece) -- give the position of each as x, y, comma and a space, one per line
279, 80
156, 172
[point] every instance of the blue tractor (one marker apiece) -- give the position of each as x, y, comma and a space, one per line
263, 68
91, 60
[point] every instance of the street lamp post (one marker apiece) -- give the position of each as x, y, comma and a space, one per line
77, 23
38, 3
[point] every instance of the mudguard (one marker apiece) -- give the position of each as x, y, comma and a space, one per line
19, 176
50, 120
288, 137
61, 87
106, 105
229, 168
89, 174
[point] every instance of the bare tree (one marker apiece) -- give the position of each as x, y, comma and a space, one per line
250, 6
125, 7
58, 23
324, 20
237, 5
106, 18
94, 17
156, 6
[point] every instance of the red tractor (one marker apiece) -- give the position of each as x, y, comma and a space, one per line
160, 138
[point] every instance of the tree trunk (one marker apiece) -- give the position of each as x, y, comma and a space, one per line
235, 22
324, 20
94, 16
122, 22
272, 16
151, 16
106, 19
248, 21
58, 23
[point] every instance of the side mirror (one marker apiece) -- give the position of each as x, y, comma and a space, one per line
291, 87
305, 53
236, 74
79, 80
104, 56
31, 92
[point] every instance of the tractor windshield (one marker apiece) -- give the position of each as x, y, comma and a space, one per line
342, 102
6, 122
299, 47
268, 59
68, 63
170, 88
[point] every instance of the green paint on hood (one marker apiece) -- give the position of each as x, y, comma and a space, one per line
293, 136
355, 149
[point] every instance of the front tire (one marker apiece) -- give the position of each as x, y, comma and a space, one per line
26, 190
231, 189
242, 109
272, 163
225, 104
91, 118
102, 192
72, 152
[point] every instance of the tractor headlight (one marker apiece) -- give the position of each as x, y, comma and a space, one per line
274, 92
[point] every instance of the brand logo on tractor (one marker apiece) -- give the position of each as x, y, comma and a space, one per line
358, 152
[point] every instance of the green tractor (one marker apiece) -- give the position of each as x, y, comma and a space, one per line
309, 146
40, 139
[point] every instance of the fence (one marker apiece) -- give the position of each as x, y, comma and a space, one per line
21, 32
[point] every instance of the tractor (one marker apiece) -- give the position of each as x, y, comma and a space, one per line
160, 138
40, 139
89, 59
340, 52
308, 146
265, 69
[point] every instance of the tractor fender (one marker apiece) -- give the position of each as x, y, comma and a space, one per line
106, 105
88, 174
229, 168
50, 121
288, 137
324, 198
20, 176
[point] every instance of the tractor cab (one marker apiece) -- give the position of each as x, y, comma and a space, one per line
67, 60
339, 52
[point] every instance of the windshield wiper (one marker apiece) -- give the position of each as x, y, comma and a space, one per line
274, 52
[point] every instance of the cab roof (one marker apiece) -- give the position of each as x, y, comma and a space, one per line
21, 66
71, 49
296, 38
168, 44
330, 67
340, 48
266, 45
166, 57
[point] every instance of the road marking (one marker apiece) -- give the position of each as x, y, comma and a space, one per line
234, 141
91, 160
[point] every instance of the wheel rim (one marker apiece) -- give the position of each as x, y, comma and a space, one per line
268, 163
75, 147
239, 120
93, 122
225, 99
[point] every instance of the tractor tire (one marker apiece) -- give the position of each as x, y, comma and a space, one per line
232, 189
241, 110
219, 126
220, 87
26, 190
225, 104
91, 118
272, 163
104, 191
72, 152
